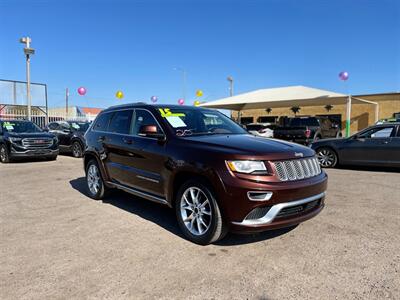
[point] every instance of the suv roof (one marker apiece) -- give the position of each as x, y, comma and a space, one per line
146, 105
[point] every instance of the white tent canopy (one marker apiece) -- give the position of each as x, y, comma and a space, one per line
282, 97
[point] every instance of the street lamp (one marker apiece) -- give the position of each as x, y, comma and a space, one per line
28, 52
230, 79
183, 81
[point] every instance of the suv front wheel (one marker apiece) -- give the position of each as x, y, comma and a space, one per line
198, 213
96, 188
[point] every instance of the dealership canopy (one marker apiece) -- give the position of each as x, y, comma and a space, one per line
288, 97
282, 97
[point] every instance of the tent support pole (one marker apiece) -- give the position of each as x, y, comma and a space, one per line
348, 116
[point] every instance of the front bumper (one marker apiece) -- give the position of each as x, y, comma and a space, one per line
286, 196
19, 152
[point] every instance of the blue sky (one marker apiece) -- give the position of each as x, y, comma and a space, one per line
133, 46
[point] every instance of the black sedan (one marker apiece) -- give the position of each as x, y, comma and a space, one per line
378, 145
70, 135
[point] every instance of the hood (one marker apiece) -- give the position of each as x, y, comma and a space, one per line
246, 144
31, 135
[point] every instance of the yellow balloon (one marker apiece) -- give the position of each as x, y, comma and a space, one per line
199, 93
196, 103
119, 95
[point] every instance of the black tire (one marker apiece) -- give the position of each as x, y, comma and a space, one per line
77, 149
4, 154
327, 157
101, 191
216, 229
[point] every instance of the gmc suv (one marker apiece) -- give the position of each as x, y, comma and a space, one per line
23, 139
216, 176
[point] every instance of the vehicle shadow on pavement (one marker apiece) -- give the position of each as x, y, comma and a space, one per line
164, 217
371, 169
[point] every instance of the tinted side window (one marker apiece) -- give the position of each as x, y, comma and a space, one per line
53, 126
121, 122
142, 118
102, 122
380, 132
398, 132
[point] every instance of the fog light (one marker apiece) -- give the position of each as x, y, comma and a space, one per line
259, 195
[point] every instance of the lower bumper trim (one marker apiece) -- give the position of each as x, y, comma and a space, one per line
274, 211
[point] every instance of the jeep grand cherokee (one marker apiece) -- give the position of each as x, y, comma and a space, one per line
216, 176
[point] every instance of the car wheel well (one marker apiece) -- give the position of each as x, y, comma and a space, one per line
182, 177
88, 157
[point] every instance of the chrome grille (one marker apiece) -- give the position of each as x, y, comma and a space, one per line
290, 170
34, 143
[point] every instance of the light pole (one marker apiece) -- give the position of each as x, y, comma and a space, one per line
230, 79
28, 52
183, 81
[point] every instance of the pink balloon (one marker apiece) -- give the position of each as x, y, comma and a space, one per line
181, 101
81, 91
344, 75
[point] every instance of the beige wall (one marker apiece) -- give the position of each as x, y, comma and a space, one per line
362, 115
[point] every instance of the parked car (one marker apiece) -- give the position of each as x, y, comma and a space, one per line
389, 120
261, 129
70, 135
215, 175
23, 139
305, 130
378, 145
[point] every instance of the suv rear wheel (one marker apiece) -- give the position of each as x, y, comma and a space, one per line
4, 155
77, 149
96, 188
198, 213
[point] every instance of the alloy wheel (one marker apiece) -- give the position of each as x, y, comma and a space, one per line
196, 211
76, 150
93, 179
326, 158
3, 154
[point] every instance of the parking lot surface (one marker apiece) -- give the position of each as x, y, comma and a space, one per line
56, 243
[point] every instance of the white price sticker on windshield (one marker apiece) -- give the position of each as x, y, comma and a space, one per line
9, 127
176, 121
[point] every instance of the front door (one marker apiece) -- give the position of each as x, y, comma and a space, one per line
370, 147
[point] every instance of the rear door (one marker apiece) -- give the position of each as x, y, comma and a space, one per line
393, 149
117, 144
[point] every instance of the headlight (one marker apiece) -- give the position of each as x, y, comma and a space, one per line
247, 166
15, 140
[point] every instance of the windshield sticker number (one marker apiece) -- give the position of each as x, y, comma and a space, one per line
166, 112
175, 121
8, 125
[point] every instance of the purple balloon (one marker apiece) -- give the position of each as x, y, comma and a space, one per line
154, 99
344, 75
181, 101
81, 91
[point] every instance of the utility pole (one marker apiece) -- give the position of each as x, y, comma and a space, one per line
66, 102
28, 52
230, 79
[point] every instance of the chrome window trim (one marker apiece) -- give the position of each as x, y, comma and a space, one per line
275, 209
132, 123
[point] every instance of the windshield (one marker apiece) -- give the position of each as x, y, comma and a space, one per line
188, 121
79, 126
21, 127
299, 122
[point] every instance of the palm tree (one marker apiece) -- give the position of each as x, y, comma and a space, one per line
295, 109
268, 110
328, 107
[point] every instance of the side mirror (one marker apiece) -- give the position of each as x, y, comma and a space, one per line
151, 131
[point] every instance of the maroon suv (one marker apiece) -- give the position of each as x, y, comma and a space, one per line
216, 176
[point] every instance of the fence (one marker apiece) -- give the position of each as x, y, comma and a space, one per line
38, 115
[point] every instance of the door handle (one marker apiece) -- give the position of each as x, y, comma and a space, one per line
385, 142
127, 141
